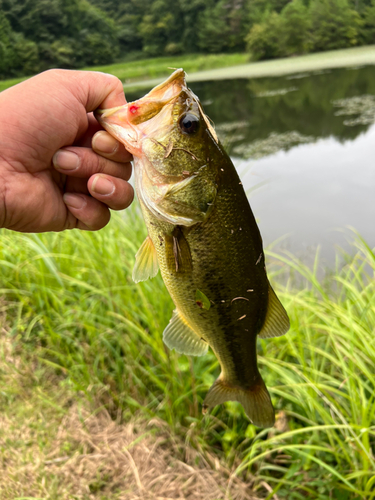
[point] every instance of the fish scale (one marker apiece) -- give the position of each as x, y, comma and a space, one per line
204, 238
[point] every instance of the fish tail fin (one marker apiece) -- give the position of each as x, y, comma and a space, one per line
255, 400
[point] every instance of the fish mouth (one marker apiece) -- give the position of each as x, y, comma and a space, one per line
130, 123
172, 86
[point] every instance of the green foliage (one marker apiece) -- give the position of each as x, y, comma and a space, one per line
213, 30
296, 25
70, 299
45, 34
334, 24
17, 54
263, 41
39, 34
368, 30
316, 26
222, 27
161, 26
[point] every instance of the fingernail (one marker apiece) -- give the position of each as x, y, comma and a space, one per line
74, 200
65, 160
101, 185
105, 143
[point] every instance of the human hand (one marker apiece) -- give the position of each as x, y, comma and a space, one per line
50, 178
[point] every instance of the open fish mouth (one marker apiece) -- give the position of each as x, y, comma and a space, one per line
170, 87
131, 122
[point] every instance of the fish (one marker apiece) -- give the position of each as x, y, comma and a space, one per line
203, 237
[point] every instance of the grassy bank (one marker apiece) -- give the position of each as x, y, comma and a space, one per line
146, 69
320, 61
72, 308
149, 72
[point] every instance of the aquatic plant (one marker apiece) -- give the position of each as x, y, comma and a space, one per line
363, 106
272, 144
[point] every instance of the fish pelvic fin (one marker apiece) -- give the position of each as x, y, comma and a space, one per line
146, 262
256, 400
276, 322
180, 336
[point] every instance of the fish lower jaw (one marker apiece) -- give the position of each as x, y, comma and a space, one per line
127, 136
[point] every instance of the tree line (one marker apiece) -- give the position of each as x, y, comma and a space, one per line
39, 34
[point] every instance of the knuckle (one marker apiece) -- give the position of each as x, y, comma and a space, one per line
115, 82
126, 199
95, 164
100, 222
130, 198
100, 219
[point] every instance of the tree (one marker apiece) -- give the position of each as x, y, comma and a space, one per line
17, 55
162, 26
263, 41
334, 24
368, 28
295, 28
192, 11
64, 33
222, 26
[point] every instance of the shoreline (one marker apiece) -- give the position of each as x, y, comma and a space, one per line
229, 67
319, 61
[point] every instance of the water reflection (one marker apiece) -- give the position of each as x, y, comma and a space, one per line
307, 106
313, 192
308, 139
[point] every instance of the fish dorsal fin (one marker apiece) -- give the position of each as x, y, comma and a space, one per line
180, 336
277, 321
146, 262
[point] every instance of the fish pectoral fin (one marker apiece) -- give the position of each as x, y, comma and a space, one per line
277, 321
256, 400
178, 256
146, 262
180, 336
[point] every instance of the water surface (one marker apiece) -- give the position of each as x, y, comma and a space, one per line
304, 147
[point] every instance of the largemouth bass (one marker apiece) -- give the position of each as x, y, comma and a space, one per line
204, 238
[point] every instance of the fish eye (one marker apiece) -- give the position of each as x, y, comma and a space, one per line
189, 123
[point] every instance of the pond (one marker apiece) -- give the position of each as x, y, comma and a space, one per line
304, 146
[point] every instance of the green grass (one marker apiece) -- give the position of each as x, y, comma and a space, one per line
71, 302
202, 67
145, 69
4, 84
160, 66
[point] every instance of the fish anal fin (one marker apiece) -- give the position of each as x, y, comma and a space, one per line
178, 252
180, 336
256, 400
277, 321
146, 262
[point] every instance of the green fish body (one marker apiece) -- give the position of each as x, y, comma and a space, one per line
204, 238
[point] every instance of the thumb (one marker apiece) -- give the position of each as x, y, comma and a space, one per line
93, 89
101, 90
